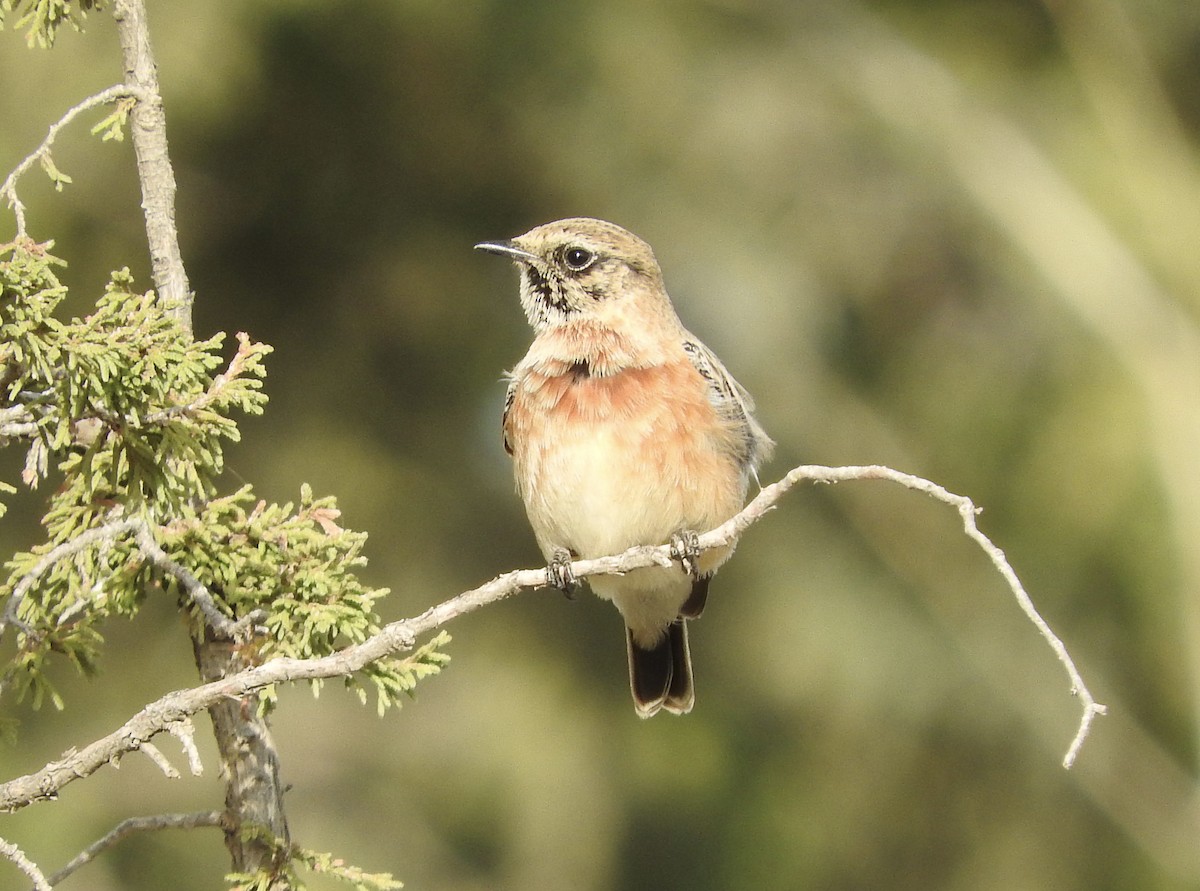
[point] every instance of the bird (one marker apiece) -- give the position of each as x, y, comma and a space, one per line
624, 430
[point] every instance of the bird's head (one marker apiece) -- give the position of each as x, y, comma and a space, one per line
583, 269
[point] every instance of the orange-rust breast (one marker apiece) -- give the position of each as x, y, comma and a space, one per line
604, 462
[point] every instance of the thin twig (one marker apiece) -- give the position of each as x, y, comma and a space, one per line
131, 826
185, 732
211, 394
968, 511
67, 549
27, 866
143, 534
402, 635
221, 624
151, 751
9, 188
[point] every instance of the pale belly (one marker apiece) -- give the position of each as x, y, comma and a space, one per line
607, 466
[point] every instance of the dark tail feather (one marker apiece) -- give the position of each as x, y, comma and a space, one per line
661, 677
681, 694
694, 605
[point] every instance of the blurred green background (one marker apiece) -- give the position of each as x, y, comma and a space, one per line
959, 237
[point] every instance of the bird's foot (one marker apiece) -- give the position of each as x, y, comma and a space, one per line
685, 547
560, 574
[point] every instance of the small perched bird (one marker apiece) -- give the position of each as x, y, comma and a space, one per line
624, 430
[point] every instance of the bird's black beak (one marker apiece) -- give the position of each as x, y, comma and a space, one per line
506, 249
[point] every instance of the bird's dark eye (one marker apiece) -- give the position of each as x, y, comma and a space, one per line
578, 259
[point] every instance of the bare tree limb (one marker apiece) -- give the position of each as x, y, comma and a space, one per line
23, 863
42, 153
249, 761
402, 635
151, 751
134, 825
223, 626
157, 177
968, 511
61, 552
185, 732
1094, 272
143, 534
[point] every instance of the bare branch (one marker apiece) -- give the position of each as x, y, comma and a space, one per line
131, 826
41, 154
400, 636
23, 863
185, 732
150, 750
249, 762
223, 626
155, 173
968, 511
67, 549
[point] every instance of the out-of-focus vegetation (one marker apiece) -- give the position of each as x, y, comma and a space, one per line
955, 236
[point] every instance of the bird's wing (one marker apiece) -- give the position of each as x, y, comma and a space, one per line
509, 396
733, 404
